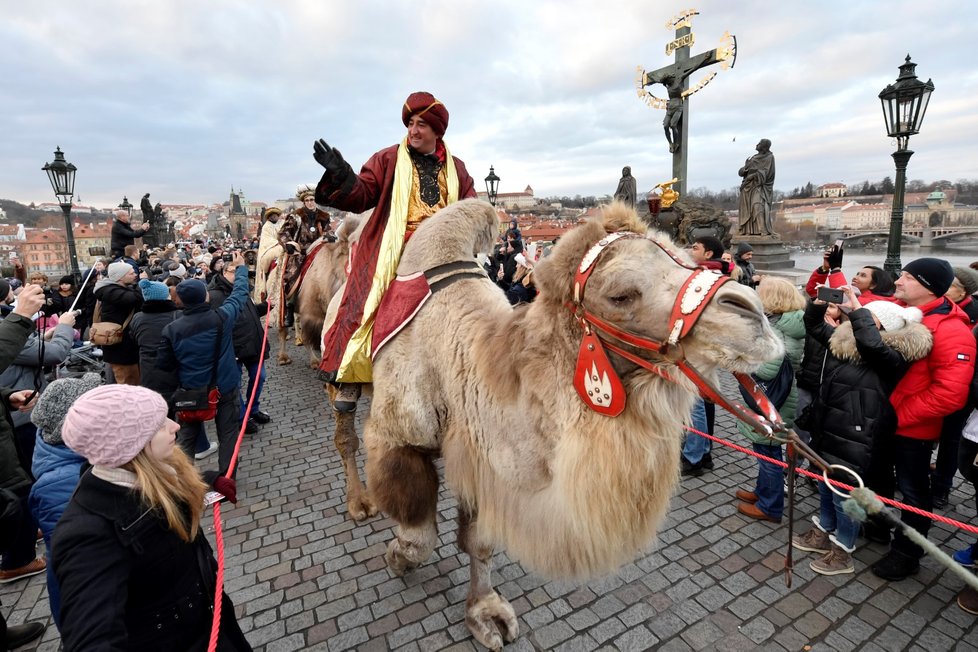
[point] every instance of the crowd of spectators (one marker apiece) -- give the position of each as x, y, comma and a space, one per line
884, 376
178, 305
881, 380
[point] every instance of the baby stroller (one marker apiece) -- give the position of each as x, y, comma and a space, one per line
81, 360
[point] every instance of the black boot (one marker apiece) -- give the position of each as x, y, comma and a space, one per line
19, 635
289, 317
896, 566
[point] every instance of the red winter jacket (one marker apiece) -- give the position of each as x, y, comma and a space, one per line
835, 279
938, 384
869, 297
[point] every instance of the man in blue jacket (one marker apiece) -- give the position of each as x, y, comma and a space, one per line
188, 346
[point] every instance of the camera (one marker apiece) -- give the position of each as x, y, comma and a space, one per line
227, 256
830, 295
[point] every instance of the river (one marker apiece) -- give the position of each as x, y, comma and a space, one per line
855, 258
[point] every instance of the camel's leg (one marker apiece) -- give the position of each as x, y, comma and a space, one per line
283, 338
314, 358
358, 502
298, 328
488, 615
404, 482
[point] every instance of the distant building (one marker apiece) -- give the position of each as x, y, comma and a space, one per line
53, 207
831, 190
12, 233
92, 242
512, 200
45, 250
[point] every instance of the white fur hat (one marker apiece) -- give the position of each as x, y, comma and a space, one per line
893, 316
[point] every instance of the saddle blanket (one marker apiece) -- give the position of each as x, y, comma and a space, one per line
404, 298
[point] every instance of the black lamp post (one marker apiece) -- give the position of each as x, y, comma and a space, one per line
904, 106
126, 206
62, 177
492, 186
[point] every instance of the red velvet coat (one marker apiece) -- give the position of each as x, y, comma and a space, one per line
357, 193
937, 385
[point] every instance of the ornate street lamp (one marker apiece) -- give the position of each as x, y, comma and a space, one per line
61, 174
904, 106
492, 186
126, 206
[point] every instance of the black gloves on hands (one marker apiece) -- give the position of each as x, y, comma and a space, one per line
834, 259
328, 157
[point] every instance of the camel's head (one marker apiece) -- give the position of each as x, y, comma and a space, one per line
635, 284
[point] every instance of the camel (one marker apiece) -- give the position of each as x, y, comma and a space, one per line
568, 492
325, 276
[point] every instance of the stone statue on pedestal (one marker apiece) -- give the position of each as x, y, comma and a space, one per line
757, 192
626, 191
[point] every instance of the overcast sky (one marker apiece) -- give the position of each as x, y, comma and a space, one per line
185, 98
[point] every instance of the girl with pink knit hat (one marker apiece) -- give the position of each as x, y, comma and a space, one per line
135, 570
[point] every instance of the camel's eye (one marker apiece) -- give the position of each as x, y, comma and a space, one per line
624, 298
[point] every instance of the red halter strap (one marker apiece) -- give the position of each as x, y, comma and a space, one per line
598, 383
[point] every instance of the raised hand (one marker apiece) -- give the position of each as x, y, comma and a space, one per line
328, 157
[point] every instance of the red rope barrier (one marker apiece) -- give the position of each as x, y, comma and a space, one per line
218, 529
889, 501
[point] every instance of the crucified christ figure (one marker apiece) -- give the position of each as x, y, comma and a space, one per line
674, 77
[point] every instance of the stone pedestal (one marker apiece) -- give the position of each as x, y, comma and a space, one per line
772, 258
770, 254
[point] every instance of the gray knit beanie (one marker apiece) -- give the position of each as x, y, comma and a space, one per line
57, 398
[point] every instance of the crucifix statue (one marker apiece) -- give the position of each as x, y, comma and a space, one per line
675, 77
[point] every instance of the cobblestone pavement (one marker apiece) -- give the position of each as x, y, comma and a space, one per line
303, 576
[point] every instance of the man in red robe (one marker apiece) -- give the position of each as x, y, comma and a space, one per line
404, 184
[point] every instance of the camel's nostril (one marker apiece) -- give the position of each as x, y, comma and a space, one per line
741, 305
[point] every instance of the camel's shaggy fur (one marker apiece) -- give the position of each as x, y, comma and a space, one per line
566, 491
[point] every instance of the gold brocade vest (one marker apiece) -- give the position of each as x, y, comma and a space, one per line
418, 210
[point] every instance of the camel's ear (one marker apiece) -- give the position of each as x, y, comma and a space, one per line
347, 227
622, 217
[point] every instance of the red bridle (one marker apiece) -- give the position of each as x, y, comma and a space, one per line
601, 389
596, 380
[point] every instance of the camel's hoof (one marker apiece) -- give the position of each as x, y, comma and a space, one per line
491, 620
284, 360
361, 508
397, 558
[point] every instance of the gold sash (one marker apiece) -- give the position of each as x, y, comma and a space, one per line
356, 366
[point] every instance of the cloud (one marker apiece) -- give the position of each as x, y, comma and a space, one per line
185, 99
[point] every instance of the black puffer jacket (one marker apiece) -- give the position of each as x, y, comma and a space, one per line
248, 330
813, 360
124, 235
851, 413
128, 582
147, 330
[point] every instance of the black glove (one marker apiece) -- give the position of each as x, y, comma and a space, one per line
834, 259
328, 157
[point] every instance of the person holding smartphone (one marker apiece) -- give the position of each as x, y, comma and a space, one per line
829, 273
866, 358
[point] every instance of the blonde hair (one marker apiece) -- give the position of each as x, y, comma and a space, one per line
171, 486
779, 295
522, 274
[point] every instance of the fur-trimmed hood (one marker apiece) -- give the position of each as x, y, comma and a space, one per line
913, 342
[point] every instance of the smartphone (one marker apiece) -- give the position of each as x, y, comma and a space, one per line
830, 295
212, 497
838, 244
